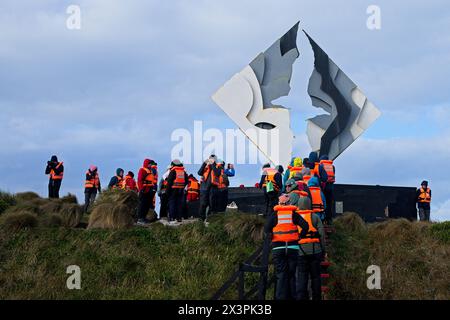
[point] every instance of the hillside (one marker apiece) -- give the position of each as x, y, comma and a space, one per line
38, 242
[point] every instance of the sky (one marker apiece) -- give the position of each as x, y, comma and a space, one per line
112, 92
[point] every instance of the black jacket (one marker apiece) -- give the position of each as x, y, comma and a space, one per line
171, 179
207, 183
53, 165
298, 220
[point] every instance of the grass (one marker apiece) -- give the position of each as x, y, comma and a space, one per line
159, 262
38, 243
6, 200
414, 258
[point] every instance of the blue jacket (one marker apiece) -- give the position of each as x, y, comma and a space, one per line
230, 172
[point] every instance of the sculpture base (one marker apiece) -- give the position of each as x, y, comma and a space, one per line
372, 203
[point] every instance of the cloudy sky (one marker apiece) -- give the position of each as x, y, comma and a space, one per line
113, 92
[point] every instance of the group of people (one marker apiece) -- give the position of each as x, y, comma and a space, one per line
179, 192
311, 178
298, 203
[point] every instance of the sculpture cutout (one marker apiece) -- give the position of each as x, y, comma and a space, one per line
351, 113
247, 98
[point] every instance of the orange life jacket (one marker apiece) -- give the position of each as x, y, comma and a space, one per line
55, 176
316, 170
294, 170
313, 235
301, 193
285, 230
180, 175
118, 185
328, 166
94, 182
425, 195
149, 180
317, 202
270, 176
306, 179
206, 173
124, 183
217, 180
193, 187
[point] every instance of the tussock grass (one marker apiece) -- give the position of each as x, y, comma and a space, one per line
159, 262
414, 261
47, 212
26, 196
16, 221
114, 209
6, 200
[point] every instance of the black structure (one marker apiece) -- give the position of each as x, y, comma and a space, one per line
372, 203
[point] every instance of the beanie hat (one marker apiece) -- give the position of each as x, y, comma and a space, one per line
176, 163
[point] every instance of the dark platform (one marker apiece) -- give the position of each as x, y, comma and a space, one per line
372, 203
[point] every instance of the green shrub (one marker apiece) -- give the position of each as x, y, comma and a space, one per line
6, 200
441, 231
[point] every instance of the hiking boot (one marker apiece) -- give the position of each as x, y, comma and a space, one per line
142, 223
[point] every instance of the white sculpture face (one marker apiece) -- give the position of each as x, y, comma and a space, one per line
241, 99
247, 99
350, 113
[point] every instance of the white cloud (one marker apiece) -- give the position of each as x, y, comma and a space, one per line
441, 212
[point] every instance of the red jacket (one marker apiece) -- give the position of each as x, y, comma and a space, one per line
142, 175
130, 183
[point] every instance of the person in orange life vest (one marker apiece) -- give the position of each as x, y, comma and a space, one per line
296, 197
273, 177
193, 191
162, 193
316, 168
91, 186
207, 171
283, 229
147, 186
176, 184
221, 192
129, 183
423, 197
192, 197
295, 168
319, 203
301, 185
311, 254
328, 189
287, 173
55, 170
116, 181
